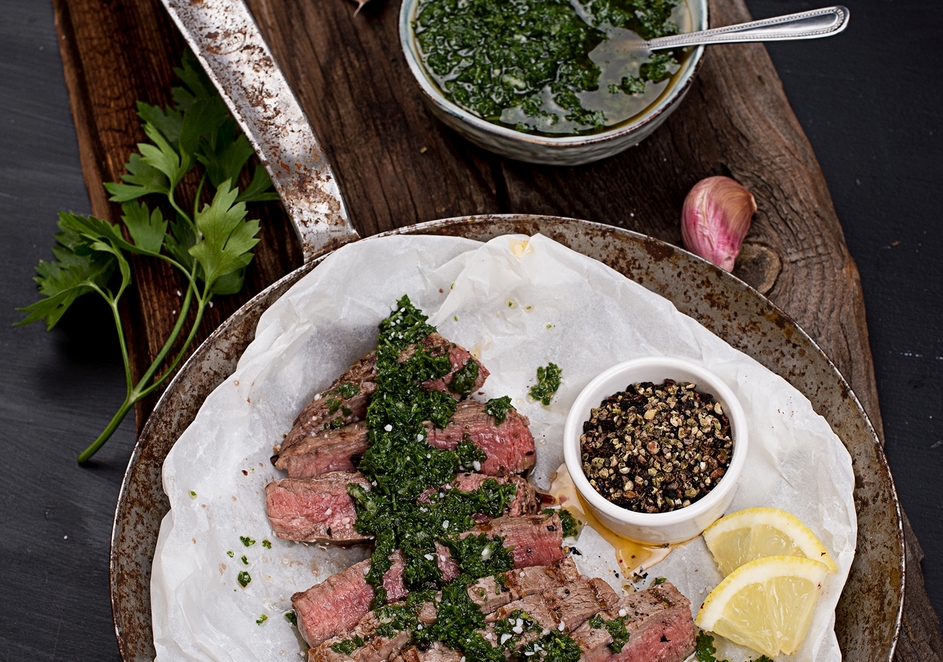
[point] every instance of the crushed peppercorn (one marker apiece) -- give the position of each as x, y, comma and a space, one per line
656, 448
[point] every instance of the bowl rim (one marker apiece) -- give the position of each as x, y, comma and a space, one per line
706, 381
673, 95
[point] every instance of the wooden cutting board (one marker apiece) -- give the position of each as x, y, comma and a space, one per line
397, 166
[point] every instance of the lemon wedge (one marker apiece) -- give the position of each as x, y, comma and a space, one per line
766, 604
754, 533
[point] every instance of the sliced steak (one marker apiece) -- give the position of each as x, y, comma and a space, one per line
570, 604
509, 447
525, 502
437, 652
373, 648
512, 585
319, 509
533, 540
358, 383
345, 400
490, 593
531, 535
325, 450
339, 602
659, 624
314, 509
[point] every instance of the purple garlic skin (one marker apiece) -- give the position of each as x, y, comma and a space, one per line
715, 219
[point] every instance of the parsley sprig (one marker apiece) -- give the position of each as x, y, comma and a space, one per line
209, 243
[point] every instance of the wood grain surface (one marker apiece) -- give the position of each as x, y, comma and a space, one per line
397, 166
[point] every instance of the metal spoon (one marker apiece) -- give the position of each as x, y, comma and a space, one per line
804, 25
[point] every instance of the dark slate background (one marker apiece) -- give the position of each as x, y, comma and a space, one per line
870, 101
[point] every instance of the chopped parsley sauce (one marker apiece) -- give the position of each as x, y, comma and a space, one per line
410, 505
548, 381
548, 66
615, 628
401, 465
571, 526
499, 408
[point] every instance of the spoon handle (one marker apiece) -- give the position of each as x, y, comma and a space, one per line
804, 25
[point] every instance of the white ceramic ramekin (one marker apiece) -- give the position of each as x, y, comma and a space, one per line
677, 525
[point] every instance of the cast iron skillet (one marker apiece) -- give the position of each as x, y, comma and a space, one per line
868, 613
225, 38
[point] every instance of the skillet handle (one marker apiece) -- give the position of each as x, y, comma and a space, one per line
227, 41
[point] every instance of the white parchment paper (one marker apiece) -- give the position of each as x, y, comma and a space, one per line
517, 303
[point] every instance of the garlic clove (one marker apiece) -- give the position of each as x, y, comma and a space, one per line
715, 218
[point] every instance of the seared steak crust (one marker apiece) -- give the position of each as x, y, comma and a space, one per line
325, 450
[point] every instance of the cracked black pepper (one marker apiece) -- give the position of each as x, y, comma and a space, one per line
656, 448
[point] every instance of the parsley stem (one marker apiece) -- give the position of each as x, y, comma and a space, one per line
123, 410
143, 388
135, 392
173, 203
201, 308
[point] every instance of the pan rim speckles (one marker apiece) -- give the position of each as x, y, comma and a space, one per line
869, 613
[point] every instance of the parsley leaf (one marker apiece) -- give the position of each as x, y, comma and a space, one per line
227, 238
210, 247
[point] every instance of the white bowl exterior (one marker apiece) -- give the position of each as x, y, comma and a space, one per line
565, 150
656, 528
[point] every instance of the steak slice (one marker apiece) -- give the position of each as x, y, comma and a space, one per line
533, 540
562, 608
314, 509
508, 446
437, 652
325, 450
490, 593
350, 592
525, 502
319, 509
345, 400
659, 624
358, 383
339, 602
373, 648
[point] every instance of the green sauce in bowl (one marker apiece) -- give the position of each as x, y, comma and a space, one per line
550, 67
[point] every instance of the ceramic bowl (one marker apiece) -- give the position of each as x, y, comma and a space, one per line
677, 525
552, 150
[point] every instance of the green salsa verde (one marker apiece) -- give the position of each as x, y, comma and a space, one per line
548, 66
401, 466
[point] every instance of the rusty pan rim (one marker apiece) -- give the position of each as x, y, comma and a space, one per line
651, 262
